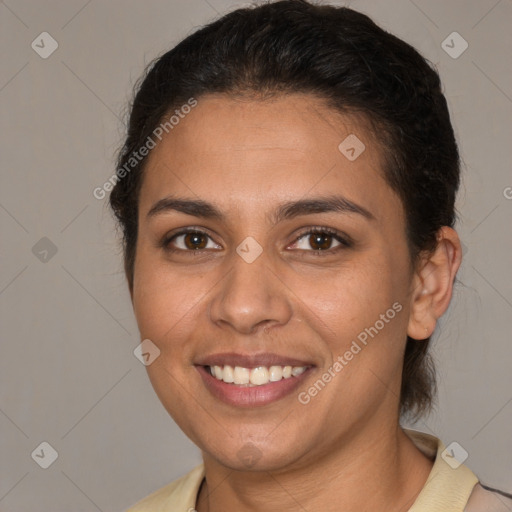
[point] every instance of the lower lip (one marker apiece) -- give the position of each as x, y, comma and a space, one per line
245, 396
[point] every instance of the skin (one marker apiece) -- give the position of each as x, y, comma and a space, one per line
247, 157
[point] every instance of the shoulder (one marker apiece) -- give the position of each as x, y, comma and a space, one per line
178, 495
487, 499
453, 486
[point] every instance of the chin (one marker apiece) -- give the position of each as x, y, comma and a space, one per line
251, 456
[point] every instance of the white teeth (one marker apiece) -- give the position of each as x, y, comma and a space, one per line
259, 376
275, 373
217, 371
255, 376
228, 375
241, 375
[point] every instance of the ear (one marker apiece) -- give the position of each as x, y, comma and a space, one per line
432, 284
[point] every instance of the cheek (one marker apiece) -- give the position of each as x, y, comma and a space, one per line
361, 320
164, 301
360, 314
350, 298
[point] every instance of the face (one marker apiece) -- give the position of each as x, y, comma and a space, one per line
263, 246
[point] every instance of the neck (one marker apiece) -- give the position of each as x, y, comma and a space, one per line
379, 471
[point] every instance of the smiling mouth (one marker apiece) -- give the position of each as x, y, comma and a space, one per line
252, 377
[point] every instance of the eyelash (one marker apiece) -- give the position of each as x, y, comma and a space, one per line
344, 240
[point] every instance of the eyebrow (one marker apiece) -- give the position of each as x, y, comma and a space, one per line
286, 211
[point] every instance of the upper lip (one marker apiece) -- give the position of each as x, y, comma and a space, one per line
250, 360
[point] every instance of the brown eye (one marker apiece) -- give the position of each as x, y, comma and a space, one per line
189, 240
320, 241
195, 241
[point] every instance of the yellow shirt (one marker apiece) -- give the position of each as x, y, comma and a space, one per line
447, 489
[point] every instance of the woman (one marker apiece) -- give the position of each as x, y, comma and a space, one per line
286, 193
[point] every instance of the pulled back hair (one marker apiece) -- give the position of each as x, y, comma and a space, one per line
343, 57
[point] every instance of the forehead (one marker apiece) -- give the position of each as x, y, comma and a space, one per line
252, 152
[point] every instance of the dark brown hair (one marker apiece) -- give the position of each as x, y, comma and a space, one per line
343, 57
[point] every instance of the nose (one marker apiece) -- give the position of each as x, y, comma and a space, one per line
251, 297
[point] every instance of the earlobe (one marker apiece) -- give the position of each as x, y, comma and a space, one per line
433, 284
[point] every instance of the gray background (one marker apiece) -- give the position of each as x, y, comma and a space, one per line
68, 373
